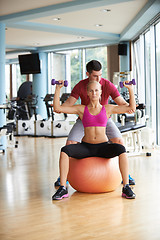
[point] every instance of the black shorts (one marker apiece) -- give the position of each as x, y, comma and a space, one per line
84, 150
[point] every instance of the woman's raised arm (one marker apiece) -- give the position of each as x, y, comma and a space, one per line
113, 109
75, 109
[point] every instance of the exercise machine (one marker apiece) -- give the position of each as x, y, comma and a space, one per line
44, 127
132, 127
26, 127
62, 127
8, 130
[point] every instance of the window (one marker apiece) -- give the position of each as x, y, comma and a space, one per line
16, 77
157, 29
148, 95
71, 65
7, 80
57, 69
100, 54
147, 69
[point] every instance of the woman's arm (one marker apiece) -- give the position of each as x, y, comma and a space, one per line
112, 109
75, 109
68, 103
120, 101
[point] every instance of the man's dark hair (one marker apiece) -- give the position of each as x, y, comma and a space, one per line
93, 65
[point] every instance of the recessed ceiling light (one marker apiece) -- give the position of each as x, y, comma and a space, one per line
99, 25
36, 44
106, 10
57, 19
80, 37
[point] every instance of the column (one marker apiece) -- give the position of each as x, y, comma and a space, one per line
40, 83
2, 82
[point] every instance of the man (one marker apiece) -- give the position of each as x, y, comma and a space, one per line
94, 73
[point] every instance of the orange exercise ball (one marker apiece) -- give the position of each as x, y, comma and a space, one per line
94, 174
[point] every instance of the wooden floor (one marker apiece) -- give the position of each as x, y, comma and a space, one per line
27, 174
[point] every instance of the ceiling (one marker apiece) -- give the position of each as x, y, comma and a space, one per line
31, 25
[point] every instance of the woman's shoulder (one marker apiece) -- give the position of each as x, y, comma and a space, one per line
80, 106
108, 107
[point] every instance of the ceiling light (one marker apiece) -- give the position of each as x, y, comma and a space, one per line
99, 25
106, 10
57, 19
80, 37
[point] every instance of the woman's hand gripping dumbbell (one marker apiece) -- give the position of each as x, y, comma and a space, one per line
53, 82
59, 85
127, 83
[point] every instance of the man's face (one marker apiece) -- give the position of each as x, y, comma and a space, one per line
95, 75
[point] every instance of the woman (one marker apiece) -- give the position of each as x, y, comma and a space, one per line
94, 143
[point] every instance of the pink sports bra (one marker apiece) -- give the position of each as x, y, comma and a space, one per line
90, 120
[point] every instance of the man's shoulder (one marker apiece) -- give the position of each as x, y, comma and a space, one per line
105, 82
78, 89
82, 82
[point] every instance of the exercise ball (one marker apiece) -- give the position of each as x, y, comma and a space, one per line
94, 174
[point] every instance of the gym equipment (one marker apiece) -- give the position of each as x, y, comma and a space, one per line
56, 125
2, 133
61, 128
129, 83
8, 130
31, 105
132, 126
63, 98
121, 76
94, 174
53, 82
23, 92
26, 127
49, 107
44, 127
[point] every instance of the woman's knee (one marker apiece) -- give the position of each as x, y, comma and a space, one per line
68, 142
120, 149
65, 150
117, 140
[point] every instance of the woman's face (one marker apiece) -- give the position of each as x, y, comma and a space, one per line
94, 90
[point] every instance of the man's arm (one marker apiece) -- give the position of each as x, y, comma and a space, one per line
68, 103
120, 101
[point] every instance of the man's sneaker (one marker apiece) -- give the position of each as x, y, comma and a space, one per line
62, 192
127, 192
131, 181
57, 183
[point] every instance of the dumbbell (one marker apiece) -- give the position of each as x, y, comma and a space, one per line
129, 83
53, 82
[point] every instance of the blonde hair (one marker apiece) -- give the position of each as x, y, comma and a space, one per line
90, 82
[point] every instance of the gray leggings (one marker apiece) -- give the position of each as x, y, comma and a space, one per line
77, 132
